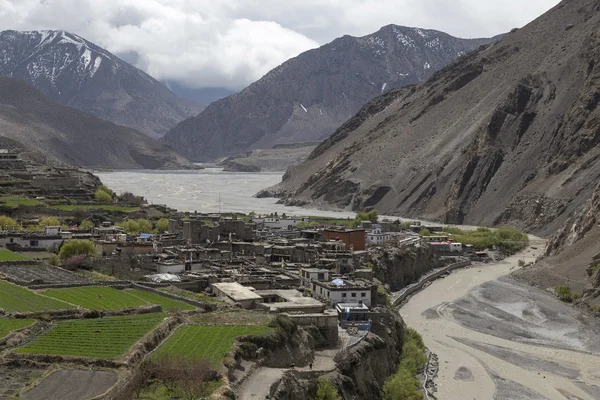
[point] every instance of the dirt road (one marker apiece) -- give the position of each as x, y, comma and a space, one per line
257, 386
499, 339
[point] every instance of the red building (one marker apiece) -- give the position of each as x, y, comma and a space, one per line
355, 239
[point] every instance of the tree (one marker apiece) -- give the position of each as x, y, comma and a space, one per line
136, 227
8, 224
372, 216
75, 247
86, 224
51, 221
405, 225
103, 197
425, 232
106, 190
162, 225
145, 225
326, 390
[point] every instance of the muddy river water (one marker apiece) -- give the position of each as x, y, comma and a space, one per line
499, 339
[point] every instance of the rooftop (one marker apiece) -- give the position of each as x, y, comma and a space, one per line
236, 292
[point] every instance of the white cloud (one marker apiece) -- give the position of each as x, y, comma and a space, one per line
231, 43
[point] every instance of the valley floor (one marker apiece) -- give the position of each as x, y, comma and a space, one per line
497, 338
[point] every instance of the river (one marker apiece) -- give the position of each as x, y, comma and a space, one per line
497, 338
201, 190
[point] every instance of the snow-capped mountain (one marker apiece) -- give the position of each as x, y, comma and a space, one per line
306, 98
77, 73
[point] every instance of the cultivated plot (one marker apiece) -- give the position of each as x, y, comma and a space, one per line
96, 297
155, 299
7, 255
14, 298
96, 338
8, 325
211, 343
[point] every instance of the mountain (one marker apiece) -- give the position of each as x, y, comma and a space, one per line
73, 137
77, 73
306, 98
202, 95
506, 135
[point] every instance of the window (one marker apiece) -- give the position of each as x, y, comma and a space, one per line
344, 295
363, 294
353, 294
321, 276
321, 290
34, 243
328, 295
12, 240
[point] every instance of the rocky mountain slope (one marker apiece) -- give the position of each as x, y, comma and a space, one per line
306, 98
77, 73
73, 137
506, 135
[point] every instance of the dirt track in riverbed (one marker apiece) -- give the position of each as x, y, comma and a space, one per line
515, 341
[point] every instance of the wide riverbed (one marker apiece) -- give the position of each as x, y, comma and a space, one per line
499, 339
200, 190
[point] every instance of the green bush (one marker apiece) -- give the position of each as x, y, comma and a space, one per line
506, 237
86, 224
595, 268
403, 384
405, 225
326, 390
103, 197
136, 226
372, 216
424, 232
106, 190
162, 225
76, 247
564, 293
8, 224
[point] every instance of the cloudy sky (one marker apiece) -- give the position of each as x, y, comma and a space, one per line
231, 43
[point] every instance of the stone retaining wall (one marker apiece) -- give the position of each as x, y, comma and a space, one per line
410, 290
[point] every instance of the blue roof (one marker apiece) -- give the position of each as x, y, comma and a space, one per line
146, 235
338, 282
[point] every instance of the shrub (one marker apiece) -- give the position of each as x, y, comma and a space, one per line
52, 221
575, 295
75, 262
106, 190
405, 225
131, 199
564, 293
521, 263
595, 268
403, 384
162, 225
372, 216
103, 197
76, 247
86, 224
326, 390
136, 226
8, 224
53, 260
424, 232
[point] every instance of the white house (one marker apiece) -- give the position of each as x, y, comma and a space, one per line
376, 236
310, 274
343, 291
279, 223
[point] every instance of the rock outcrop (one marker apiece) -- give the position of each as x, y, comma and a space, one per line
309, 96
79, 74
400, 266
360, 370
505, 135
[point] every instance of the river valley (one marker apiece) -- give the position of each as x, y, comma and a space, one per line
497, 338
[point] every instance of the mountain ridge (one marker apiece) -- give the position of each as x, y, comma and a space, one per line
504, 135
307, 97
72, 137
78, 73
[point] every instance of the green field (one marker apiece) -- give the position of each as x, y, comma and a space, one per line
14, 201
108, 337
7, 325
96, 297
208, 342
96, 207
14, 298
167, 304
7, 255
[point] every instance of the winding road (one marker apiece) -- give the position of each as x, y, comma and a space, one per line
497, 338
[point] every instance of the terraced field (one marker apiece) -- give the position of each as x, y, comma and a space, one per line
14, 298
7, 255
106, 298
96, 297
208, 342
96, 338
7, 325
166, 303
